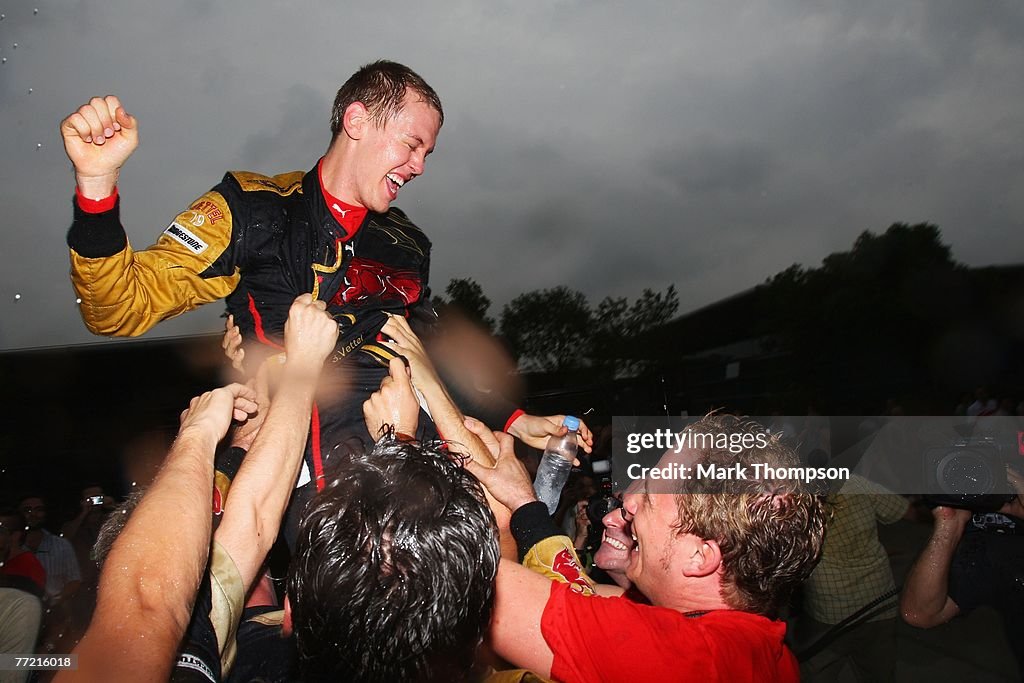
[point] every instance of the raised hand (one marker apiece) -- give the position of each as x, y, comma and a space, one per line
211, 412
98, 138
309, 334
405, 342
393, 404
535, 430
507, 481
232, 343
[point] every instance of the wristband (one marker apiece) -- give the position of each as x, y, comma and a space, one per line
531, 524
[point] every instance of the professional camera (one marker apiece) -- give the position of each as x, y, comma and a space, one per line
970, 474
600, 505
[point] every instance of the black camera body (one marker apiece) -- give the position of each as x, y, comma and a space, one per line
600, 505
970, 473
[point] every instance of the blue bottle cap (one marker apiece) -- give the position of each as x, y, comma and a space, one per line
573, 423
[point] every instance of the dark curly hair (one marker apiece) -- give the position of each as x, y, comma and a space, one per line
394, 567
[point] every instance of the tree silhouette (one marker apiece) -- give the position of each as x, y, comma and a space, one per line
556, 329
465, 295
867, 312
548, 329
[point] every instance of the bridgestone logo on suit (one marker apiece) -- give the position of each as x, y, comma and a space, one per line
181, 234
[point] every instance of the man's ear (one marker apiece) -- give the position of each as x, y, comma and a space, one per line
286, 625
356, 120
703, 558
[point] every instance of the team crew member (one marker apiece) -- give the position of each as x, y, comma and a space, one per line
715, 562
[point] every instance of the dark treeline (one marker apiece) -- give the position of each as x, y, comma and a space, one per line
895, 317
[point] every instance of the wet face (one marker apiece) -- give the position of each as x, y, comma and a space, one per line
654, 539
391, 155
616, 543
34, 512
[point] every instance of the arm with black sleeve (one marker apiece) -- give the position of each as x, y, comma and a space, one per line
542, 546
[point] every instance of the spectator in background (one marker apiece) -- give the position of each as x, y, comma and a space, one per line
983, 404
578, 489
854, 573
18, 566
22, 582
63, 577
82, 532
972, 560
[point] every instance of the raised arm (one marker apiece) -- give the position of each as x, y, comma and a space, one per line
125, 292
446, 415
98, 138
263, 485
925, 600
150, 578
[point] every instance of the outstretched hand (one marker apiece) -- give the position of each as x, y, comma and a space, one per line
508, 481
535, 430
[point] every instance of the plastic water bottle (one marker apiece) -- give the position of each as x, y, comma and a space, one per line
555, 465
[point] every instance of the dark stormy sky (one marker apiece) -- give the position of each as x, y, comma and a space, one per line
609, 146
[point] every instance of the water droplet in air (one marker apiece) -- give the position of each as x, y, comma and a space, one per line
15, 46
17, 297
35, 11
78, 301
30, 91
39, 145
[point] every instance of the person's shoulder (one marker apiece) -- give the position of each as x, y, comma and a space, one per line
401, 229
397, 216
283, 184
56, 541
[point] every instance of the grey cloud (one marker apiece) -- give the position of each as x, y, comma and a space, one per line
603, 146
715, 169
297, 133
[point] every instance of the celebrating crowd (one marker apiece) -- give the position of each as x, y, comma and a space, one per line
417, 549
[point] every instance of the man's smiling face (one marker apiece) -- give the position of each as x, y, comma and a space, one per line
393, 153
654, 533
616, 542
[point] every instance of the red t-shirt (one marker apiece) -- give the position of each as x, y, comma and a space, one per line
28, 566
614, 639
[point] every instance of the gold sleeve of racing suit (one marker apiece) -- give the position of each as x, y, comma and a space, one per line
129, 292
555, 558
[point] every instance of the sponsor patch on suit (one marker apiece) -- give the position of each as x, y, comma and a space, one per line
186, 237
